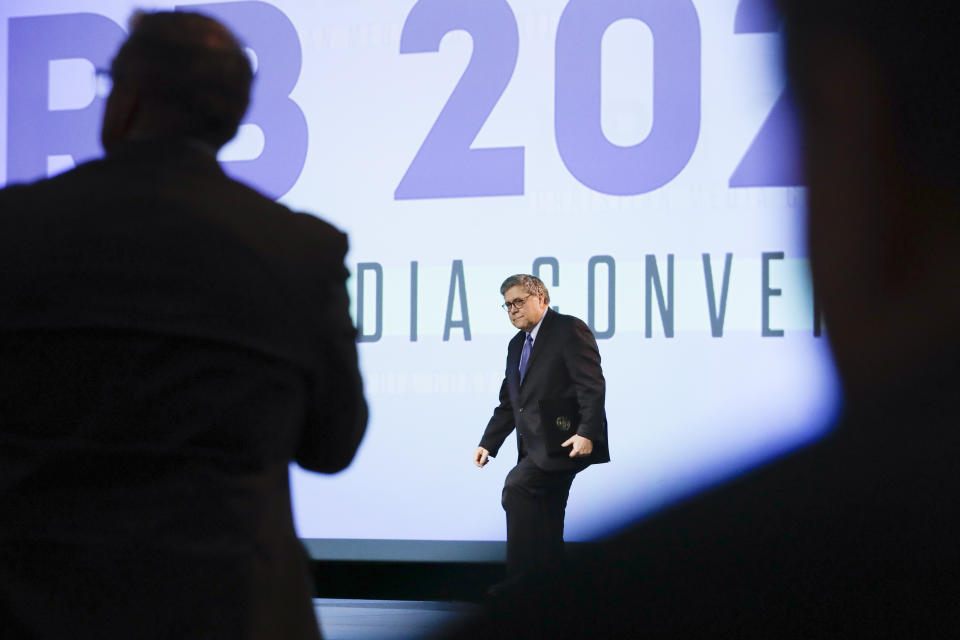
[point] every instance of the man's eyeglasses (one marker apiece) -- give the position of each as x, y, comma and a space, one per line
515, 304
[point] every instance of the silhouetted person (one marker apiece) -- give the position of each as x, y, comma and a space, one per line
857, 535
169, 341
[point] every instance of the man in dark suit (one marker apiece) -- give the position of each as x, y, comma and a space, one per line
857, 535
169, 341
553, 395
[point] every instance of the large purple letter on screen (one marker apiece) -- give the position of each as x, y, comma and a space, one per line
274, 40
34, 132
447, 165
586, 152
773, 158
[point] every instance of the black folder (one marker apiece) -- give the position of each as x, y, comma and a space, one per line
559, 419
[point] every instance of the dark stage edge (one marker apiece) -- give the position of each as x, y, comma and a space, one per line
405, 581
347, 619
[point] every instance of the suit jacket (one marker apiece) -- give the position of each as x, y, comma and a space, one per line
852, 537
169, 341
563, 381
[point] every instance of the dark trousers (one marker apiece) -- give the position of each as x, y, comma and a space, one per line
535, 501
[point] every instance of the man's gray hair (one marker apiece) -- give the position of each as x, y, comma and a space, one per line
531, 284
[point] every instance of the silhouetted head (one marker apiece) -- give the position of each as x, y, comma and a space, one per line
878, 90
178, 75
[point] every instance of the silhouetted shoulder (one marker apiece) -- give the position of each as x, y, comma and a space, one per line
321, 229
73, 181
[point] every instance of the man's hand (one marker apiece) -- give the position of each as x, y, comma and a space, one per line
581, 446
480, 456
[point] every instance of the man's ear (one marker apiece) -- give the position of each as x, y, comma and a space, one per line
119, 117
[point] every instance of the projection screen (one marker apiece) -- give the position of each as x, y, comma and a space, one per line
638, 155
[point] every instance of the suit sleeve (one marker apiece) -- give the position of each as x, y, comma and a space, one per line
581, 356
337, 411
500, 424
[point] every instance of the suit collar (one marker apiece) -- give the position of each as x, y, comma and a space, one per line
535, 332
182, 153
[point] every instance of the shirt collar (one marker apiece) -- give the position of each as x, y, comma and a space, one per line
533, 332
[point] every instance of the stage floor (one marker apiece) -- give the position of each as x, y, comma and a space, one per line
386, 619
